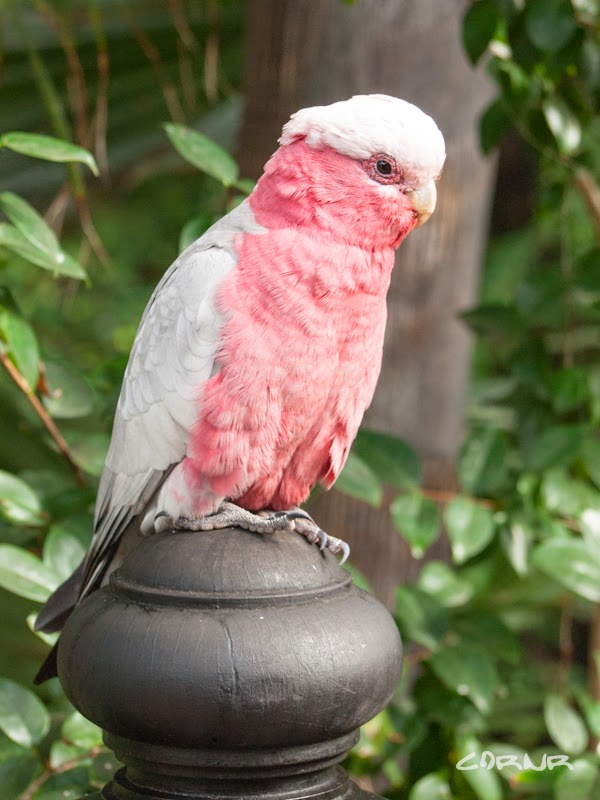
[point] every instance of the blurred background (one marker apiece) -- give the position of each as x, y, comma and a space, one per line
471, 498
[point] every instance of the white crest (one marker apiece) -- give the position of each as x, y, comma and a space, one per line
370, 124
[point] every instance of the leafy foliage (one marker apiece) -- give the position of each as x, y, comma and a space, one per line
496, 635
493, 663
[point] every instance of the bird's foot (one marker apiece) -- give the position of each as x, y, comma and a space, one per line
304, 524
229, 516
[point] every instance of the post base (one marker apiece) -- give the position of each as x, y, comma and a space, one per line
331, 784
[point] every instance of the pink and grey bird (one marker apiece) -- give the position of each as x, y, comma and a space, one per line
260, 348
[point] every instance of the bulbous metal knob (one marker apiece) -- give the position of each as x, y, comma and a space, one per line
230, 664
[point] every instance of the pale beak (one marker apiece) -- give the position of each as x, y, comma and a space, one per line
423, 201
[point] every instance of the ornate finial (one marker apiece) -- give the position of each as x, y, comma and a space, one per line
229, 664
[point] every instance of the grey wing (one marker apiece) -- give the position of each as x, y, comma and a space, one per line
172, 357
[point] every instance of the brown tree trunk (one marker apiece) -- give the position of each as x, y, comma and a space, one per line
310, 52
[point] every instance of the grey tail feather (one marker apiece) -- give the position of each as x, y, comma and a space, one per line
49, 667
58, 606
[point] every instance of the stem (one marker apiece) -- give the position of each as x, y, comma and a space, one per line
593, 666
589, 190
49, 771
46, 419
565, 640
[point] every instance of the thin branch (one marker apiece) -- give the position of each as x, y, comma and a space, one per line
46, 419
49, 771
101, 110
590, 191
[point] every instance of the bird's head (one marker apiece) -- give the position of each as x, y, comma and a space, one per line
364, 168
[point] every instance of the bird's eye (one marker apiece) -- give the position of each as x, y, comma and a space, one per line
383, 167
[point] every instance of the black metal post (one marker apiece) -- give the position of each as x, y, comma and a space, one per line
230, 665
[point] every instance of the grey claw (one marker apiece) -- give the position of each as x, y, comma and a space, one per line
291, 515
322, 539
345, 552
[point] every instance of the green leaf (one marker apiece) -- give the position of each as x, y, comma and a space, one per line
470, 671
431, 787
590, 708
69, 396
23, 574
564, 725
62, 264
23, 716
441, 582
555, 447
18, 767
493, 124
48, 148
494, 318
470, 528
485, 783
393, 461
579, 784
89, 451
61, 752
550, 23
203, 153
21, 344
515, 540
30, 224
417, 519
590, 454
479, 26
571, 564
63, 552
482, 465
358, 480
81, 732
569, 387
488, 631
19, 504
564, 125
565, 495
421, 617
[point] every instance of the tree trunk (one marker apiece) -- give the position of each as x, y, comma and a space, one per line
311, 52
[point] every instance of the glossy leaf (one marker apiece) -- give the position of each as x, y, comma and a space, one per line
431, 787
440, 581
358, 480
89, 451
482, 462
417, 519
18, 766
557, 446
61, 264
564, 725
572, 565
479, 26
30, 224
19, 504
469, 671
564, 125
203, 153
48, 148
421, 617
23, 716
62, 552
470, 527
485, 783
550, 23
24, 574
493, 124
21, 344
81, 732
69, 396
583, 783
393, 461
590, 454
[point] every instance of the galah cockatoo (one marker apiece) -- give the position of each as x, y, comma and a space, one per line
260, 348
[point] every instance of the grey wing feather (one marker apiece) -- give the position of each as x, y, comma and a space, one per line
172, 356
